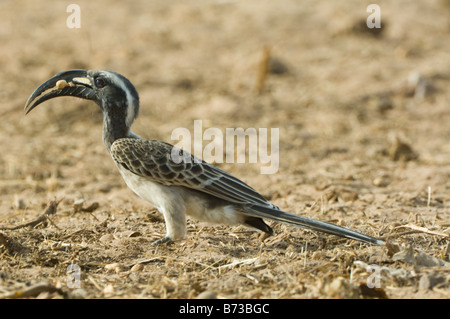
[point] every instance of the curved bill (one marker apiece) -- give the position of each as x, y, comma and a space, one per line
69, 83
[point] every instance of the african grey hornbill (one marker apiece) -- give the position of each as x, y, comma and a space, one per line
176, 188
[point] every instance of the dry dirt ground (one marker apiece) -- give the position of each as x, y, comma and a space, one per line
364, 142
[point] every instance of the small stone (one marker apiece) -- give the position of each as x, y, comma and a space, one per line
108, 290
207, 295
116, 267
106, 239
381, 181
137, 267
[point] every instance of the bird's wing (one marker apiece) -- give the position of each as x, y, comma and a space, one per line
154, 160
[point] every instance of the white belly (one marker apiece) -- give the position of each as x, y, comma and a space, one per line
179, 200
158, 195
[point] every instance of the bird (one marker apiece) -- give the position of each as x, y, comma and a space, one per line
176, 188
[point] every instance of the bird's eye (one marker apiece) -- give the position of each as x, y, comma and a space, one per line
99, 82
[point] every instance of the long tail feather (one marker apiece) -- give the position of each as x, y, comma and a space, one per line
280, 216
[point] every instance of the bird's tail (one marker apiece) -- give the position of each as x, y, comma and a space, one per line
304, 222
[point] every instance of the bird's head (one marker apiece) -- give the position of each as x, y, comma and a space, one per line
116, 96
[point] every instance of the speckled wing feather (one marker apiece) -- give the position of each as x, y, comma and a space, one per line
153, 160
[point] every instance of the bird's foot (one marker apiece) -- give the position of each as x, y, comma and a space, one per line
165, 240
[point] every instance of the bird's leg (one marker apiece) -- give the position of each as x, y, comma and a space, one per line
175, 218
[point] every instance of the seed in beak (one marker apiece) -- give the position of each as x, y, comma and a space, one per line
61, 84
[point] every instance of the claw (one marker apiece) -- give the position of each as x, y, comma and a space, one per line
165, 240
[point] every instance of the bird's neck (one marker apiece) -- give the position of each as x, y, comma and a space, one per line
114, 128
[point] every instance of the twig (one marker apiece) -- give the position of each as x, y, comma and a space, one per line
34, 291
3, 240
234, 263
145, 261
415, 228
263, 70
78, 207
50, 210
